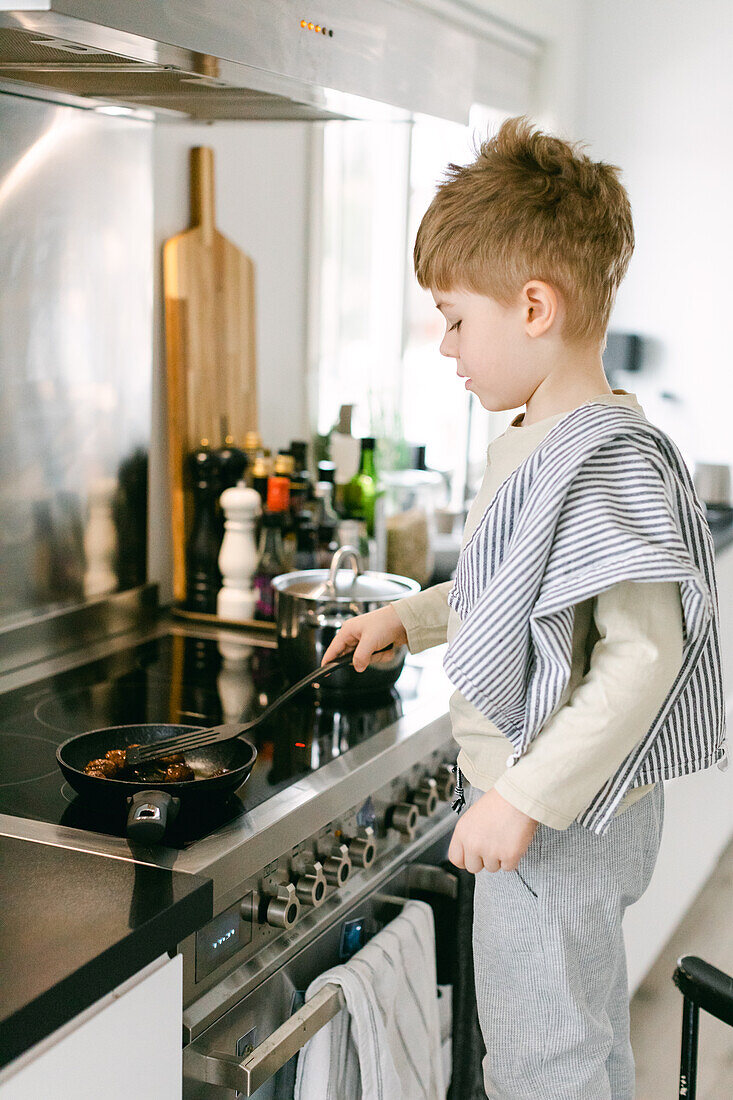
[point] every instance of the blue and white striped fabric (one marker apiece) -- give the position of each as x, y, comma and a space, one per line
605, 497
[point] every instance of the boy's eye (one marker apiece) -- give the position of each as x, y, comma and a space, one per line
456, 325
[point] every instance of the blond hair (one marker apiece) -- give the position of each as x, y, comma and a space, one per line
530, 206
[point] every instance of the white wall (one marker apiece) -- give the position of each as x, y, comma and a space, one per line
657, 99
262, 204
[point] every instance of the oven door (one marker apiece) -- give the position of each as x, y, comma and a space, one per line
252, 1050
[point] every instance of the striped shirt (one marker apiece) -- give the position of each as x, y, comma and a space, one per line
606, 497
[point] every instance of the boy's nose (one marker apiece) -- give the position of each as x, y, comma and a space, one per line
445, 348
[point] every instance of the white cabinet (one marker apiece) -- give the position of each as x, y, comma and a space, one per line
126, 1045
698, 824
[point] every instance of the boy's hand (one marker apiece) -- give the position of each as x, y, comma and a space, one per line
492, 835
366, 633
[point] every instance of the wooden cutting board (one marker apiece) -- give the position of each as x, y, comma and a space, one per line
209, 287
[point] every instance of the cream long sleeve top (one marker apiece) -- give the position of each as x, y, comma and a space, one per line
626, 653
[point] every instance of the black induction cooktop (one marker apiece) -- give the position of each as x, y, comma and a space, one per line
188, 680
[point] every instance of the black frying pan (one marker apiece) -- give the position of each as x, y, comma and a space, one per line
153, 805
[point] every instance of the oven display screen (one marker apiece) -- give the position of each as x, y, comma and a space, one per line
220, 939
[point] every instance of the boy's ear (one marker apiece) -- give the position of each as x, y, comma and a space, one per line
540, 304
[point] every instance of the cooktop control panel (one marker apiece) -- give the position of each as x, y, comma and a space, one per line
285, 899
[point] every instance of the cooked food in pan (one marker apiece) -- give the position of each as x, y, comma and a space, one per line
168, 769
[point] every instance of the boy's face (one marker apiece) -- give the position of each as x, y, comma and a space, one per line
490, 345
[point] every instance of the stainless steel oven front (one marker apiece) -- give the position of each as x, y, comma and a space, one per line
251, 1049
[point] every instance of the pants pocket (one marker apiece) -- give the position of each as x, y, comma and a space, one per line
526, 884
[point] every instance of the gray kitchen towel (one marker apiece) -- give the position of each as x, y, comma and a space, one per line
385, 1044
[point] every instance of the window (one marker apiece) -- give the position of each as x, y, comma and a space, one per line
379, 332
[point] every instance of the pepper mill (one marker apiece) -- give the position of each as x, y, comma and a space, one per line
203, 578
232, 463
238, 554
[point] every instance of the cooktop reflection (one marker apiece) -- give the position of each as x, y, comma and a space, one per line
186, 680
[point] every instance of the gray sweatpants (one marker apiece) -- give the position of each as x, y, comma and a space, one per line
550, 963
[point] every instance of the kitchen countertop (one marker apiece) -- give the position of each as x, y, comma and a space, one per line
75, 926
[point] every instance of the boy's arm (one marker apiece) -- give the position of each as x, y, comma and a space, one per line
425, 616
632, 668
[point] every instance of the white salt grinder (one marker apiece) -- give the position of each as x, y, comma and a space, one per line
238, 554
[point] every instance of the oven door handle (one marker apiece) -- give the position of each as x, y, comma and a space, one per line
247, 1074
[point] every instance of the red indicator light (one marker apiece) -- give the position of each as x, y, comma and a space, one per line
300, 744
318, 29
303, 23
310, 26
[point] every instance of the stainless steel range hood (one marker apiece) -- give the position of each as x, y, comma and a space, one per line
266, 59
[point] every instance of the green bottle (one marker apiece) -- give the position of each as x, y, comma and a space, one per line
361, 492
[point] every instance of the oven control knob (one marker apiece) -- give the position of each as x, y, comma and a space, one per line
310, 886
283, 908
426, 797
363, 847
337, 865
403, 817
446, 782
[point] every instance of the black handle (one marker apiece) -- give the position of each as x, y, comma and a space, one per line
316, 674
150, 813
706, 986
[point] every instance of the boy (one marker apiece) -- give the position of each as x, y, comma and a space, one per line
582, 620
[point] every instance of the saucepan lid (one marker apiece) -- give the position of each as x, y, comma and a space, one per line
345, 585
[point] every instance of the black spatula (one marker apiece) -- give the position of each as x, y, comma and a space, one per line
199, 739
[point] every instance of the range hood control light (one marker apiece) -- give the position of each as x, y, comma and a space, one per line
307, 26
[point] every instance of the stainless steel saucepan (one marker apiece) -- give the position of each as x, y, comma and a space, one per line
312, 604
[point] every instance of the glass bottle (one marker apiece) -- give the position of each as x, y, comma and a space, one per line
305, 553
327, 544
278, 500
301, 485
360, 493
260, 475
327, 471
284, 464
325, 512
252, 446
271, 564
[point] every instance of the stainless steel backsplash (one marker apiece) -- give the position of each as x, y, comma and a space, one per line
76, 276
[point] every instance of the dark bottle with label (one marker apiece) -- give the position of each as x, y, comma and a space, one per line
327, 471
306, 544
301, 479
260, 474
271, 563
203, 578
328, 544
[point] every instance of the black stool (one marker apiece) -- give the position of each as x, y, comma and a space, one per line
703, 986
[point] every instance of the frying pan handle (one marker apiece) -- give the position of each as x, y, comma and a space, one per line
150, 812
